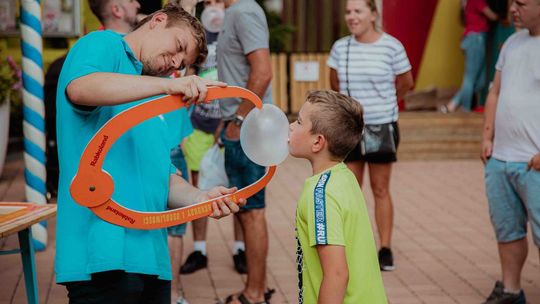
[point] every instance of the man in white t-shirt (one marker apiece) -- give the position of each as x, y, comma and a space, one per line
511, 149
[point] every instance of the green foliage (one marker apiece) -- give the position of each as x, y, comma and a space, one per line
10, 79
279, 32
6, 81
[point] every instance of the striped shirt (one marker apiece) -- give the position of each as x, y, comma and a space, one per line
368, 71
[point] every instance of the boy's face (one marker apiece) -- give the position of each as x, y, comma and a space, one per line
300, 137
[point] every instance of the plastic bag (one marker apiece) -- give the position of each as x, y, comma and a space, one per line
212, 169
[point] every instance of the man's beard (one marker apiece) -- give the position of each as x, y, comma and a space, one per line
132, 21
149, 71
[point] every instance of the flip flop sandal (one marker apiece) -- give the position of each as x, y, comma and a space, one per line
268, 294
243, 300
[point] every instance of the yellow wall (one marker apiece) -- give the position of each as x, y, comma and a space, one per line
442, 64
90, 22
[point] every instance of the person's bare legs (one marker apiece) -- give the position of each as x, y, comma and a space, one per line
199, 226
175, 251
513, 256
238, 233
199, 229
256, 238
357, 167
379, 175
194, 178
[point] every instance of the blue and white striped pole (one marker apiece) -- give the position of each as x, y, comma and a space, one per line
34, 112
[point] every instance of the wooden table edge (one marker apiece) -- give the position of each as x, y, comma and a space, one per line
16, 226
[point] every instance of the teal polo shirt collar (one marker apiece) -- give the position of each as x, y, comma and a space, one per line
136, 62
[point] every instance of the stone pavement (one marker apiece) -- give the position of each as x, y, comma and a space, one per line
443, 241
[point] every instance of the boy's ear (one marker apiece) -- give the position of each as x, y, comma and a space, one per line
319, 143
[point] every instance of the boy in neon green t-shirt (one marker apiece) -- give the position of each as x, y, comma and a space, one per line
337, 259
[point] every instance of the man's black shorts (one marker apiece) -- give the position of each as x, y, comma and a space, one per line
119, 287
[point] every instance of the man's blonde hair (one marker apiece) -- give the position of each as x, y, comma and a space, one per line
339, 119
176, 16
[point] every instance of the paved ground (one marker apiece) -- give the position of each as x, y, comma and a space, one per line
445, 249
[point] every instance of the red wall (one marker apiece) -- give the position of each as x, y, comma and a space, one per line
410, 22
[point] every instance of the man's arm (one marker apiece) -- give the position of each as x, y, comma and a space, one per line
404, 82
489, 117
335, 274
106, 89
182, 194
490, 14
259, 78
334, 80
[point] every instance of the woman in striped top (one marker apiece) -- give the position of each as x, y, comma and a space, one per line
372, 67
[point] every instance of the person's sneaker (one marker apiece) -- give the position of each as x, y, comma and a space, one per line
195, 261
497, 291
181, 300
498, 296
386, 260
240, 264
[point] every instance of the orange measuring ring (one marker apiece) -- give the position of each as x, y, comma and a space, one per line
93, 187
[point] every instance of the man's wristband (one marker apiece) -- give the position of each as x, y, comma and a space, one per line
238, 120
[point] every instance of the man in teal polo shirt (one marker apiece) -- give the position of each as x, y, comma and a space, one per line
97, 261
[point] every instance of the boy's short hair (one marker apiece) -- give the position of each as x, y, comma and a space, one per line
176, 15
339, 118
98, 8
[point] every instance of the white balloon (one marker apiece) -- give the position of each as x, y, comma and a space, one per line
212, 19
264, 135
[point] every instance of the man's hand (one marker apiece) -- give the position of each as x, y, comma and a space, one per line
487, 149
193, 88
534, 163
222, 207
232, 132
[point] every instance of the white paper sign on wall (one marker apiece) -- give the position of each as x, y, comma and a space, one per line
306, 71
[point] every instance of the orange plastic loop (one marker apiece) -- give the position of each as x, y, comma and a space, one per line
93, 187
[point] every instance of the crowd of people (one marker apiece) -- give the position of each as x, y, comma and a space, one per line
339, 131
